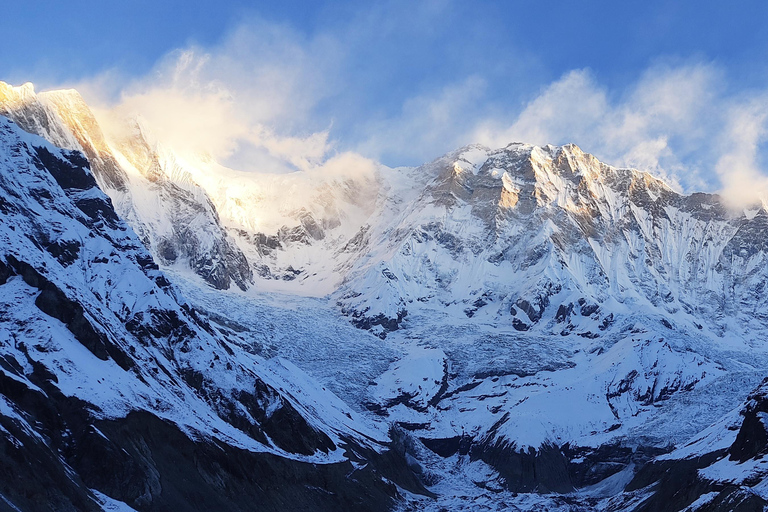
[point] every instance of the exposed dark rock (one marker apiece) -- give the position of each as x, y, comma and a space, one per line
752, 439
449, 446
99, 209
563, 312
443, 447
406, 400
291, 273
311, 226
534, 313
519, 325
5, 272
405, 447
151, 465
55, 303
285, 426
162, 281
389, 275
65, 251
413, 426
146, 262
607, 322
676, 483
158, 324
34, 476
265, 241
596, 464
167, 251
221, 267
735, 499
73, 174
361, 321
466, 387
435, 231
477, 304
535, 470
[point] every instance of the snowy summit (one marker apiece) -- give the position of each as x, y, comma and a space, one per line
521, 328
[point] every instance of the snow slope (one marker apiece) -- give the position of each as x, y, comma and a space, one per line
537, 299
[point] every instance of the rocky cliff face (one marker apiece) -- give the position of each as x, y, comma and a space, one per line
545, 238
563, 314
723, 469
574, 232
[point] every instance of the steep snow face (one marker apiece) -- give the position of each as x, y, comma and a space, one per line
546, 235
96, 345
300, 230
297, 233
721, 468
551, 239
573, 302
174, 218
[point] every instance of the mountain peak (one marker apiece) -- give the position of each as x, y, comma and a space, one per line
553, 170
16, 95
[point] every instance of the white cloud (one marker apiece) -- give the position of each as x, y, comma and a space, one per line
738, 167
246, 102
680, 123
660, 123
426, 125
573, 104
268, 99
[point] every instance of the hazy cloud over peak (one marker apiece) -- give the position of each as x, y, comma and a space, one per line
404, 86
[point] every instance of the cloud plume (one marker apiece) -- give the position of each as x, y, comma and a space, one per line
245, 102
739, 166
269, 98
676, 122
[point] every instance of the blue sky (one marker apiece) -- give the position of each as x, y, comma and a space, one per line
678, 88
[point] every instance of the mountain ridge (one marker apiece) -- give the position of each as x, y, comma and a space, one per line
68, 122
530, 319
103, 360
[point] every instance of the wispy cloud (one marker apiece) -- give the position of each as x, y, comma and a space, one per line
743, 179
659, 124
273, 99
246, 102
678, 122
426, 125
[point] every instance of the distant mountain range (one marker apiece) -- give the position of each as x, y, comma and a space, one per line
520, 328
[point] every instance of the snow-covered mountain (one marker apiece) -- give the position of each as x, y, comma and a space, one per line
521, 327
171, 214
545, 238
115, 391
